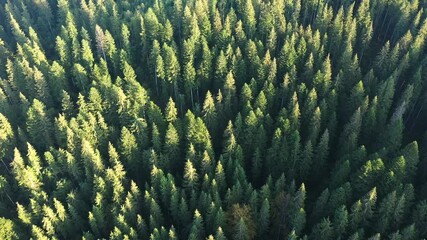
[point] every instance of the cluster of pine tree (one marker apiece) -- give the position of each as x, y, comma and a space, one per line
213, 119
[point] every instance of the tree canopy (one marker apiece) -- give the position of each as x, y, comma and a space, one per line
213, 119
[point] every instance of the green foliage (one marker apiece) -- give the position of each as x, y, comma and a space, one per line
38, 125
8, 229
241, 224
120, 119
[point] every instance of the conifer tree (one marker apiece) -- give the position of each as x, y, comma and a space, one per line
190, 175
264, 215
172, 69
6, 137
98, 99
171, 112
209, 113
197, 230
38, 125
171, 148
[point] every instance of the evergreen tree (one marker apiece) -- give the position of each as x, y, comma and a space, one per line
39, 125
340, 221
172, 69
8, 229
264, 216
190, 175
171, 148
6, 137
98, 99
209, 113
241, 222
171, 112
197, 230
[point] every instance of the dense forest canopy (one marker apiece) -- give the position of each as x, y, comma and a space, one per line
213, 119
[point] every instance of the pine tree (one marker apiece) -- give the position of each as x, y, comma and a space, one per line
297, 212
38, 125
249, 17
364, 26
129, 150
324, 229
351, 132
220, 72
363, 210
28, 176
86, 55
185, 215
188, 70
209, 113
100, 42
410, 153
42, 88
190, 175
241, 222
171, 148
92, 96
80, 79
204, 68
155, 138
322, 79
340, 221
171, 112
57, 81
241, 230
229, 89
8, 230
6, 137
264, 217
306, 161
172, 69
219, 235
18, 34
197, 229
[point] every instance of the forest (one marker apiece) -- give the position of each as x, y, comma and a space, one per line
213, 119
